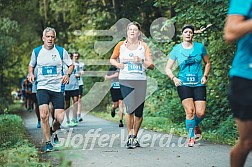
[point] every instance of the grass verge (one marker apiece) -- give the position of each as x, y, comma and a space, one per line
224, 134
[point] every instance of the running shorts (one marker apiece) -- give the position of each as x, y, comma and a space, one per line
46, 96
71, 93
197, 93
133, 93
116, 94
240, 98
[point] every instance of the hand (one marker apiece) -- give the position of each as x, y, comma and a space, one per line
204, 80
65, 79
136, 59
120, 65
177, 81
31, 78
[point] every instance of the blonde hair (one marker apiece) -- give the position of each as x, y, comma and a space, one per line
138, 27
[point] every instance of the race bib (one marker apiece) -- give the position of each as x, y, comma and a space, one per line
191, 79
49, 70
135, 67
115, 85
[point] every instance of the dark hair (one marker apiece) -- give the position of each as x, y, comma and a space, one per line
70, 54
188, 26
76, 53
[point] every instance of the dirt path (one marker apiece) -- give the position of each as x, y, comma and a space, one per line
96, 142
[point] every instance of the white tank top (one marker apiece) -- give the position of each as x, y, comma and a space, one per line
131, 71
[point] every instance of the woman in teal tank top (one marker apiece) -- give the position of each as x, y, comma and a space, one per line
191, 80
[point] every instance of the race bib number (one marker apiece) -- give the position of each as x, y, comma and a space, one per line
116, 85
135, 67
49, 70
191, 79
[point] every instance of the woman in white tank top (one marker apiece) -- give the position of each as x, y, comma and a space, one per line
133, 57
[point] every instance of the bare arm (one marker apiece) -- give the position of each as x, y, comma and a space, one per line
65, 78
31, 77
168, 70
113, 60
236, 27
207, 69
148, 62
109, 77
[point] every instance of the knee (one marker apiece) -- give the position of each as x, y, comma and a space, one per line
190, 112
44, 117
200, 114
59, 115
246, 144
116, 105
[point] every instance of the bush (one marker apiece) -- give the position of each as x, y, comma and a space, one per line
11, 129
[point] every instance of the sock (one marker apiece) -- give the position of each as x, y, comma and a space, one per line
190, 124
197, 120
48, 142
131, 136
79, 115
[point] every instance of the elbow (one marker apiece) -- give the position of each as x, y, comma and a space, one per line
229, 38
230, 35
151, 67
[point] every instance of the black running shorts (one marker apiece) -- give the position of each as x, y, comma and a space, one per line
240, 98
71, 93
197, 93
46, 96
116, 94
133, 93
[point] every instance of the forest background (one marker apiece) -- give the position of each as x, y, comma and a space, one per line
22, 23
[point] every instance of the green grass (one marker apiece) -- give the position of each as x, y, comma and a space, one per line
226, 133
15, 149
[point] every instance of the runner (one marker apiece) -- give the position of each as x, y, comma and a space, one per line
49, 60
72, 91
115, 93
238, 28
132, 57
191, 80
28, 95
34, 98
81, 71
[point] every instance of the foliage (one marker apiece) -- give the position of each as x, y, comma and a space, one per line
10, 125
15, 149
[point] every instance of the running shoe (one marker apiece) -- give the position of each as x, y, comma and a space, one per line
68, 123
191, 142
38, 124
113, 112
120, 123
197, 132
79, 119
129, 144
136, 143
48, 147
74, 123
